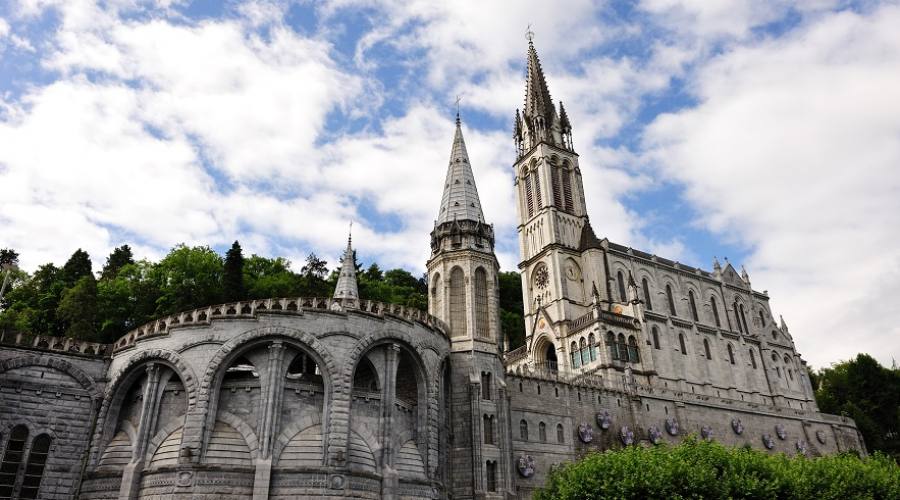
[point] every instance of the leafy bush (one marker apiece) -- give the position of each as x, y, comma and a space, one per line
700, 469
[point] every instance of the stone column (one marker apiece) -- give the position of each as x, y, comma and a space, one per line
388, 395
131, 476
477, 455
274, 392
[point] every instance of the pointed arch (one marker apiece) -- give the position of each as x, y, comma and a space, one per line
482, 317
458, 326
620, 282
744, 319
611, 345
693, 304
715, 310
737, 317
646, 287
634, 354
437, 296
671, 300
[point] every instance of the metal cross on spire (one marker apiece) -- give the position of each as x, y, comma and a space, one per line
529, 35
458, 98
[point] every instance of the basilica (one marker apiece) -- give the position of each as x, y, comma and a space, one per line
344, 397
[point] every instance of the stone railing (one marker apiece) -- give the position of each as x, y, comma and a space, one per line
58, 344
297, 305
515, 355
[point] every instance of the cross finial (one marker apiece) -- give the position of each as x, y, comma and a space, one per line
350, 234
458, 98
529, 35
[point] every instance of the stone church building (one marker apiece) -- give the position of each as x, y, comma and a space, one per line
348, 398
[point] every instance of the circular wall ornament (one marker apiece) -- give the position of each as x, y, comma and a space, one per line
626, 435
780, 432
604, 420
768, 441
654, 434
706, 432
820, 437
542, 277
525, 465
672, 426
737, 426
585, 432
801, 447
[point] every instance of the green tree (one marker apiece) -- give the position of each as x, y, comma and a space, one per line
77, 267
188, 277
869, 393
233, 274
313, 282
8, 256
127, 300
512, 308
268, 278
78, 309
120, 257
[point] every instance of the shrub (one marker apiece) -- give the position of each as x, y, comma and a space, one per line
700, 469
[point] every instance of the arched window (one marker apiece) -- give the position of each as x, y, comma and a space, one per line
560, 434
762, 318
537, 191
576, 356
623, 348
486, 385
715, 309
737, 317
778, 371
706, 349
557, 191
437, 295
12, 460
457, 302
790, 374
752, 358
730, 354
490, 471
611, 345
671, 300
634, 355
744, 319
523, 430
585, 356
592, 347
482, 323
655, 333
567, 190
681, 343
620, 280
646, 288
693, 304
488, 424
529, 197
34, 470
542, 432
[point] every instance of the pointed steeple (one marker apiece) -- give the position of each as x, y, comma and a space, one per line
346, 287
563, 118
540, 121
537, 95
460, 200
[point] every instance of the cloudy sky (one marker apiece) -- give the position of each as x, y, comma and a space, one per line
767, 132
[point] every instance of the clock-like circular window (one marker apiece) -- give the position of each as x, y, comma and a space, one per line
542, 277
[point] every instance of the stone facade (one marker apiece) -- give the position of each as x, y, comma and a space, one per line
344, 397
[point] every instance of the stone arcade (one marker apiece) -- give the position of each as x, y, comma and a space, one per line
345, 397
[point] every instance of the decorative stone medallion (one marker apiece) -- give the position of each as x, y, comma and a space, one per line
525, 465
768, 441
706, 433
337, 482
585, 432
801, 447
604, 420
184, 479
654, 434
626, 435
780, 432
672, 426
737, 426
820, 437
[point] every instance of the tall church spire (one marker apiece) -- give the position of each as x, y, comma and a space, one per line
537, 95
541, 122
346, 287
460, 200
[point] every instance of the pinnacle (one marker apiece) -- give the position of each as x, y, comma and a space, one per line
460, 199
346, 287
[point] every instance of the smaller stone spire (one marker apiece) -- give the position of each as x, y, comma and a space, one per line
744, 275
346, 287
460, 199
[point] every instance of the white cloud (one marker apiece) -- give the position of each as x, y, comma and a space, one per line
793, 151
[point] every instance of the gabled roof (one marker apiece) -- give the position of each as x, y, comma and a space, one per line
460, 200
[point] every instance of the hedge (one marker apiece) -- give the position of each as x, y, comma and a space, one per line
701, 469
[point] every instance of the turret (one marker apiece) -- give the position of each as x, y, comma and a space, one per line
346, 288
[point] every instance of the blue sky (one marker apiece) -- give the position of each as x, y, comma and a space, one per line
767, 132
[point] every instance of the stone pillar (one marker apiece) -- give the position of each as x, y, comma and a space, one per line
274, 392
131, 476
477, 456
388, 395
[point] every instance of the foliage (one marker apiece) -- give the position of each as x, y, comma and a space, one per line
233, 277
78, 266
8, 256
188, 277
701, 469
870, 394
78, 309
512, 308
119, 258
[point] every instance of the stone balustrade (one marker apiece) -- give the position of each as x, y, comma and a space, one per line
58, 344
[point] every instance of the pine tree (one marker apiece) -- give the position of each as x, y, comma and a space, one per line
120, 257
78, 266
233, 276
78, 309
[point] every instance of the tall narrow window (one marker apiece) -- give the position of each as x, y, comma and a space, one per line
712, 300
567, 190
482, 323
523, 430
671, 300
486, 385
737, 317
585, 357
762, 318
560, 434
646, 288
491, 473
693, 304
457, 302
537, 191
576, 356
752, 358
623, 348
437, 295
488, 424
592, 347
620, 280
655, 333
706, 349
634, 355
34, 470
557, 192
681, 343
744, 319
611, 345
730, 354
12, 460
529, 198
542, 432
